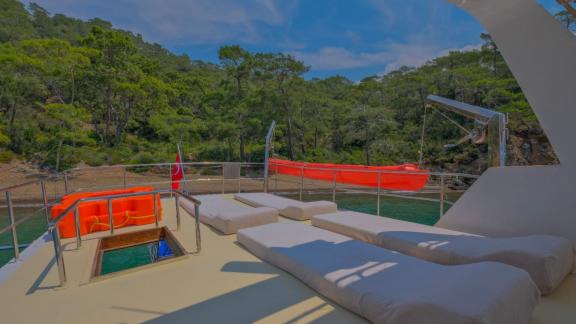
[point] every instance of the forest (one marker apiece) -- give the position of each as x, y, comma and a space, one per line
83, 92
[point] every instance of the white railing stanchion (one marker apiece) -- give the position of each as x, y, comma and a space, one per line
442, 195
334, 186
276, 181
66, 186
58, 254
222, 184
156, 223
301, 182
378, 193
170, 177
177, 199
77, 228
197, 219
45, 201
12, 225
110, 217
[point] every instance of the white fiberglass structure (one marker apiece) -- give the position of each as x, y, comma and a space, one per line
537, 199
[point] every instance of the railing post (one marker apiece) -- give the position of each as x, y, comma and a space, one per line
276, 180
170, 177
239, 177
12, 225
124, 177
301, 182
77, 225
266, 177
222, 183
58, 254
155, 210
197, 218
177, 199
378, 193
334, 186
66, 188
45, 200
110, 217
442, 195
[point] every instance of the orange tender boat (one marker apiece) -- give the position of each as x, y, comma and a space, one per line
129, 211
391, 178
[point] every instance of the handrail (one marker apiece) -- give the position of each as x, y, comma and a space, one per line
446, 174
53, 223
379, 173
63, 214
16, 186
217, 178
20, 221
164, 164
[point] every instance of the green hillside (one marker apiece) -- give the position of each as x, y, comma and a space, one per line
75, 91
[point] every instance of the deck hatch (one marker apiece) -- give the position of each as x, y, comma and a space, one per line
124, 253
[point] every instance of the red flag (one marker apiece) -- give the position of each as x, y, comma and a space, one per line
177, 174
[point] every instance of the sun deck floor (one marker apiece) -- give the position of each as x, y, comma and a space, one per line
225, 283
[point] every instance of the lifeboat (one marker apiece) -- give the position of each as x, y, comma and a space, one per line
128, 211
405, 177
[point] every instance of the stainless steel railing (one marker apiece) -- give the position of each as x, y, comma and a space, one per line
55, 233
379, 190
162, 174
13, 223
442, 185
211, 173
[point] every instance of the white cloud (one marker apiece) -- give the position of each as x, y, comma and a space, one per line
207, 21
392, 57
184, 21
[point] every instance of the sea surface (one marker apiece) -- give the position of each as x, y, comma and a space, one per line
27, 232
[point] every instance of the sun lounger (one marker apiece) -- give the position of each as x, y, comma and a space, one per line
288, 207
548, 259
228, 216
389, 287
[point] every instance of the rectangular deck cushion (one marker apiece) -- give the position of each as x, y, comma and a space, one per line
228, 216
548, 259
290, 208
388, 287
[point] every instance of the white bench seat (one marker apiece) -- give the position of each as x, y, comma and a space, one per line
389, 287
548, 259
290, 208
228, 216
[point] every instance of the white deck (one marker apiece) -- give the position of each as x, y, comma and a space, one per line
225, 283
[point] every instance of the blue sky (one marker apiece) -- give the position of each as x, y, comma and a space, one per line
354, 38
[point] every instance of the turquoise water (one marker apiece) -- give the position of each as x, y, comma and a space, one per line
134, 256
27, 232
416, 211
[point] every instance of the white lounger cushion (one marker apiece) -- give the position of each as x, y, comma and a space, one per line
548, 259
288, 207
388, 287
227, 216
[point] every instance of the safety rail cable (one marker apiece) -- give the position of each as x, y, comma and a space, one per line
446, 174
218, 178
21, 220
145, 165
20, 185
